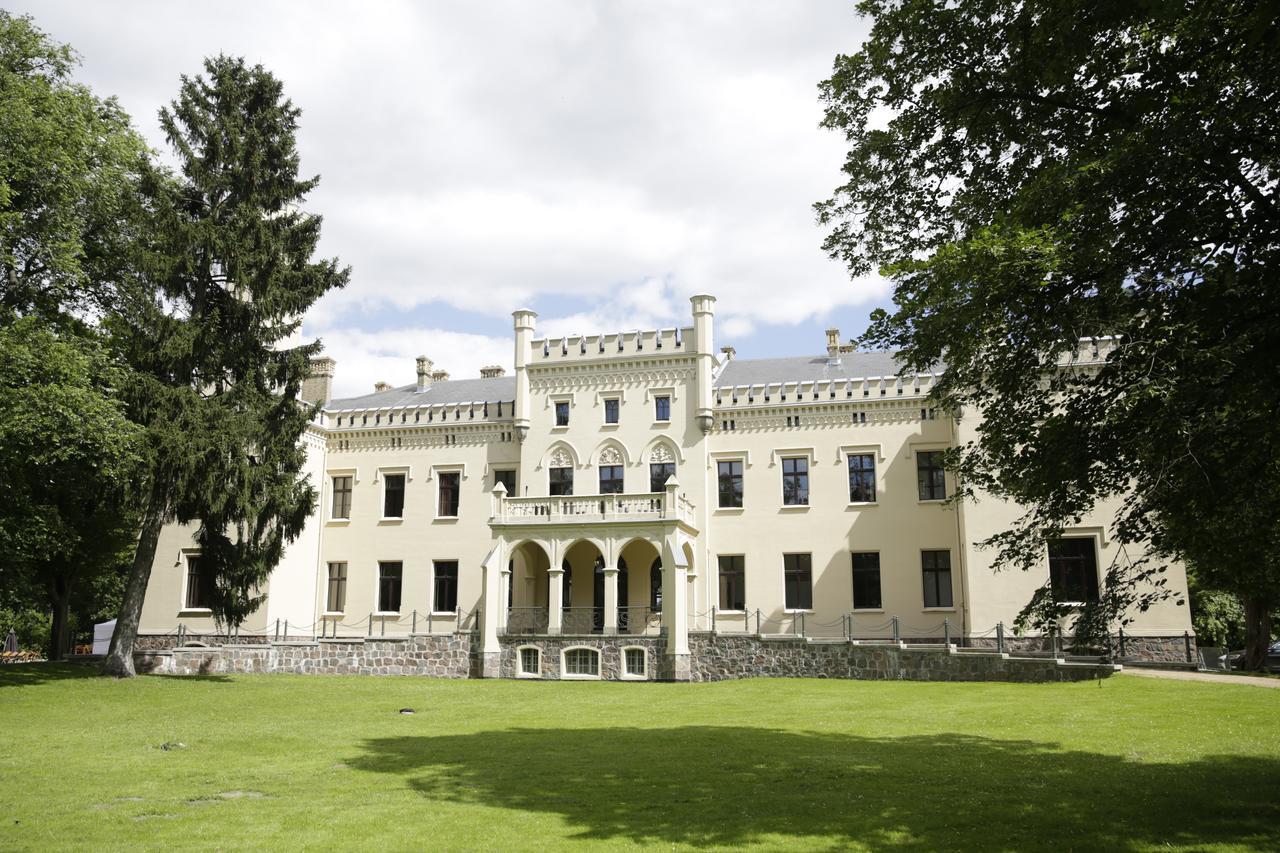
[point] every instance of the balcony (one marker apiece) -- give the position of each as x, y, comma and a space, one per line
586, 509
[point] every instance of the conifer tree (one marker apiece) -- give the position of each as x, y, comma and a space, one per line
223, 283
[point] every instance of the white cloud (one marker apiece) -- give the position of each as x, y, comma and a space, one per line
390, 355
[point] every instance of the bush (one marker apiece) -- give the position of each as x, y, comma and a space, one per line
32, 627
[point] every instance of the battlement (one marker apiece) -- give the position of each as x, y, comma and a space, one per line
619, 345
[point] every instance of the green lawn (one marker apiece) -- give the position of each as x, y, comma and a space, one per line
286, 762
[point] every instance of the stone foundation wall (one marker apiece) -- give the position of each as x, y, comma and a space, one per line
717, 657
436, 655
1153, 649
610, 649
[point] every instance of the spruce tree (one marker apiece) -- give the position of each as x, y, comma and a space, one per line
223, 283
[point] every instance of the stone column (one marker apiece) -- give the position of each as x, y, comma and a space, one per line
555, 600
523, 322
493, 606
611, 600
675, 609
504, 595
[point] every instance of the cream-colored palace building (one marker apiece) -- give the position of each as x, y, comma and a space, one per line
647, 487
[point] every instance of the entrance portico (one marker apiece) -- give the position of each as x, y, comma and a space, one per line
608, 565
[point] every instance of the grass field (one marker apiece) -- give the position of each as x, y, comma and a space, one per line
288, 762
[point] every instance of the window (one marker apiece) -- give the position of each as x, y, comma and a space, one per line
582, 663
732, 588
662, 408
655, 586
866, 581
199, 584
393, 495
390, 576
730, 478
633, 663
560, 481
445, 598
797, 573
795, 481
610, 479
530, 661
659, 473
611, 411
862, 478
341, 497
936, 566
336, 600
932, 478
1073, 569
562, 413
449, 490
507, 479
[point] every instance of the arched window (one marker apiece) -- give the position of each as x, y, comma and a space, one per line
655, 586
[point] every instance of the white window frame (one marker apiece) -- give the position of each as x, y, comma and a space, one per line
184, 560
623, 673
576, 676
377, 587
520, 670
713, 463
615, 394
381, 477
346, 588
948, 482
776, 458
874, 450
459, 469
552, 399
328, 490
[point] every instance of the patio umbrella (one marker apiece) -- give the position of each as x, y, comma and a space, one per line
11, 642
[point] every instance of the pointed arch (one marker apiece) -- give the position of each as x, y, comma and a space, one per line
662, 449
557, 453
609, 450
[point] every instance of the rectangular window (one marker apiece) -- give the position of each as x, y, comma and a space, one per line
336, 600
445, 597
1073, 569
931, 476
562, 413
560, 481
529, 662
610, 479
662, 408
449, 493
730, 480
797, 574
199, 584
393, 495
733, 591
390, 577
862, 478
633, 662
659, 473
341, 497
582, 662
866, 581
936, 566
611, 411
507, 479
795, 481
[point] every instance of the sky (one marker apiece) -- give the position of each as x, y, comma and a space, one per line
598, 162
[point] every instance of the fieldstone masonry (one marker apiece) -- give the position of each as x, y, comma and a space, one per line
713, 657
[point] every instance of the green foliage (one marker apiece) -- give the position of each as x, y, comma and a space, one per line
1029, 174
1218, 618
226, 276
31, 624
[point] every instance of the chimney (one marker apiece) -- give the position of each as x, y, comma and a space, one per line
379, 387
424, 373
318, 386
729, 353
492, 371
833, 343
439, 375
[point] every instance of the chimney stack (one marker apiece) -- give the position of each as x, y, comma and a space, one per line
833, 343
318, 386
439, 375
492, 371
379, 387
729, 353
424, 373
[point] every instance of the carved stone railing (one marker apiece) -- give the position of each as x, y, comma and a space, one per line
568, 509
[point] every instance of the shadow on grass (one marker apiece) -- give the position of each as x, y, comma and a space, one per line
705, 785
22, 674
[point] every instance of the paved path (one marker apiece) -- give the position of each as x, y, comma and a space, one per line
1216, 678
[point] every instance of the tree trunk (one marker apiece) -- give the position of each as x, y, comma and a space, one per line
1257, 632
60, 599
119, 660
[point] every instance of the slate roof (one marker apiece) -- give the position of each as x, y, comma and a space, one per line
448, 391
853, 365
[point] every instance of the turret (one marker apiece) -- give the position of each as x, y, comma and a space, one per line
704, 346
523, 320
